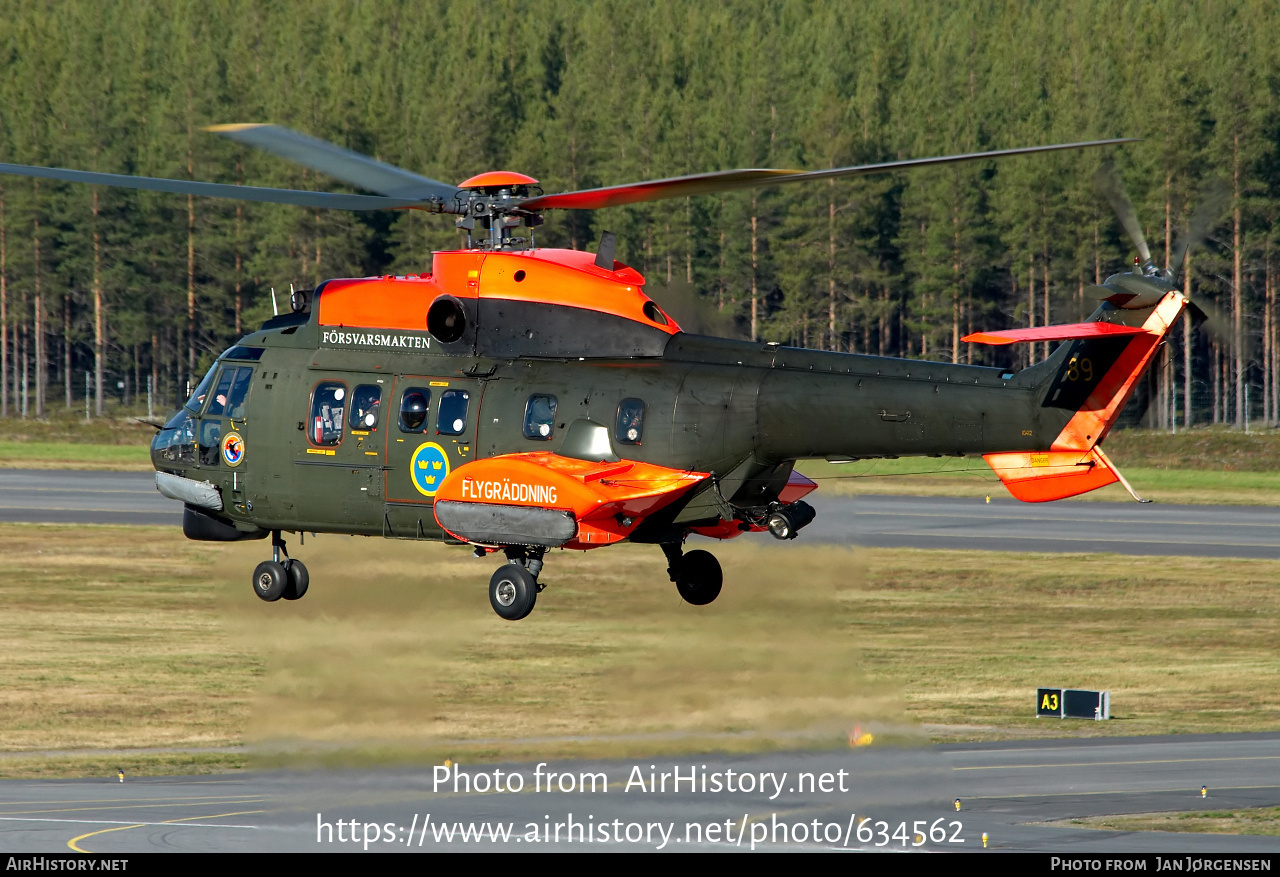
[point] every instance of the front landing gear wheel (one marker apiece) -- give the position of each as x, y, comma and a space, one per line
698, 577
299, 580
270, 581
512, 591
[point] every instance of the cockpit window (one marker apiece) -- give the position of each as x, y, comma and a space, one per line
539, 417
239, 390
175, 443
219, 400
413, 409
630, 428
233, 387
451, 419
366, 407
328, 403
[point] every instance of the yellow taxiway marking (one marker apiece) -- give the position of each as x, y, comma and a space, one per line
75, 840
1116, 763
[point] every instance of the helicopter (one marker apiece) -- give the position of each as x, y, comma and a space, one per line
517, 398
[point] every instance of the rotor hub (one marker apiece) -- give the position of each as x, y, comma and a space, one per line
493, 201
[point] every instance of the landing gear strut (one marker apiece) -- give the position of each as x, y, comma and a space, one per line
282, 576
697, 575
514, 588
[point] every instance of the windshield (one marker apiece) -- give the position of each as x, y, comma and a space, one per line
197, 398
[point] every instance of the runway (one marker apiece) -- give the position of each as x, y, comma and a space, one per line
72, 497
900, 798
1004, 524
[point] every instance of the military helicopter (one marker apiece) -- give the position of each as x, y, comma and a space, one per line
519, 398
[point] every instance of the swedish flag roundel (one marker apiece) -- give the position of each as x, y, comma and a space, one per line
429, 466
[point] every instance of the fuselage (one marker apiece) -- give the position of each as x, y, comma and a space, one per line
317, 423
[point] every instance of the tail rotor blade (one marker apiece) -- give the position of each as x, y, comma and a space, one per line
1109, 182
1214, 198
1212, 321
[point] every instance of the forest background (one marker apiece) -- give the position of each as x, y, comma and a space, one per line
140, 289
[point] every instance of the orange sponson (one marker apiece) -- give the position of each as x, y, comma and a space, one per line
796, 488
608, 500
1042, 476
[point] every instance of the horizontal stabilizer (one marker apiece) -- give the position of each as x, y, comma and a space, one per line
1041, 476
1065, 332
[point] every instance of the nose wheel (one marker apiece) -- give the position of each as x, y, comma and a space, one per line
514, 587
282, 576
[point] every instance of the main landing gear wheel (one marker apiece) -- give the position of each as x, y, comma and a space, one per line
513, 591
270, 580
699, 577
299, 580
282, 576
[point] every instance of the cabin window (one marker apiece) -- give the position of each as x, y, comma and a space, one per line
365, 407
451, 419
413, 409
539, 417
630, 429
328, 403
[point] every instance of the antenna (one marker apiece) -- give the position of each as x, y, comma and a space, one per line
275, 311
604, 253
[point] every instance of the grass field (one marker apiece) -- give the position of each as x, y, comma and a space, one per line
69, 442
135, 639
1259, 821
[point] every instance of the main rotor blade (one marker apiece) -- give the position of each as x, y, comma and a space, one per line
750, 178
1109, 182
333, 200
343, 164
